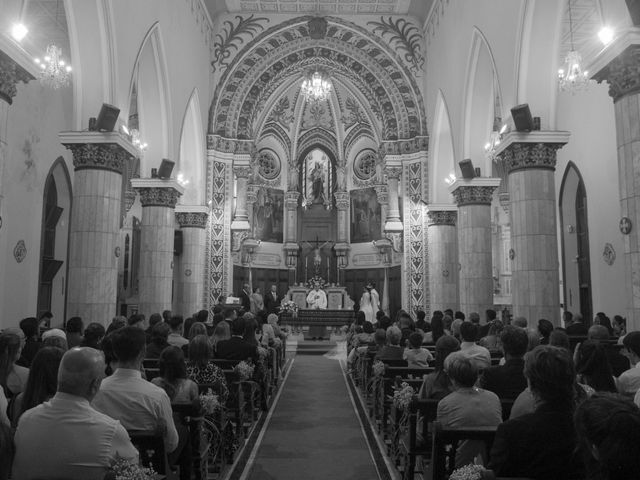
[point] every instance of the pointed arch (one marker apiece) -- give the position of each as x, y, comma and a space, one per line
482, 94
191, 159
150, 76
442, 152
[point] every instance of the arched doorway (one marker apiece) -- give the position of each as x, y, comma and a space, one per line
576, 264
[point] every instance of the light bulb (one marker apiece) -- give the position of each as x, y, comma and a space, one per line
606, 35
19, 31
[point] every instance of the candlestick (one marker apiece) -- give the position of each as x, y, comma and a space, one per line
306, 264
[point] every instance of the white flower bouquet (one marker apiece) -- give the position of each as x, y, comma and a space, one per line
209, 402
243, 370
468, 472
125, 470
402, 396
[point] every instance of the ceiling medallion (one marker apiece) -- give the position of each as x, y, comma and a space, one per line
316, 85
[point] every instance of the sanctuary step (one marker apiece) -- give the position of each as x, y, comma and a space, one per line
315, 347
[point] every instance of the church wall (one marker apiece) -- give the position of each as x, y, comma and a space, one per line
34, 120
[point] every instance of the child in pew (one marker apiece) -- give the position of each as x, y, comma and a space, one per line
414, 354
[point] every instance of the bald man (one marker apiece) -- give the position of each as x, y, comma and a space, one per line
66, 437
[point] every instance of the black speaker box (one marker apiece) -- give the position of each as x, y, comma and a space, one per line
522, 118
466, 167
177, 242
634, 10
107, 118
166, 167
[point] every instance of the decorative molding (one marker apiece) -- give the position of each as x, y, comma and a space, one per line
342, 200
158, 196
282, 113
291, 199
99, 156
20, 251
442, 217
405, 38
622, 73
318, 28
382, 191
473, 195
11, 73
415, 234
393, 172
340, 7
521, 156
233, 37
242, 172
399, 147
609, 254
229, 145
192, 219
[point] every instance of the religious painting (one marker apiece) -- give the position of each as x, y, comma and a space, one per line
268, 214
317, 180
366, 216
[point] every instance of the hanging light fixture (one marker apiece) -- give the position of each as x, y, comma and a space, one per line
572, 77
54, 71
316, 85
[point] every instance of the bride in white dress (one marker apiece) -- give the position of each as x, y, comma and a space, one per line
366, 306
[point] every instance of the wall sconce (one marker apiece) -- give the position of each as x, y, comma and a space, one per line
385, 249
249, 247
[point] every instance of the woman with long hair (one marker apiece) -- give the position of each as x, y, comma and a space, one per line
256, 301
437, 384
197, 328
13, 378
201, 369
42, 383
221, 332
593, 368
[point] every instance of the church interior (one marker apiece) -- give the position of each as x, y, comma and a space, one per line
472, 155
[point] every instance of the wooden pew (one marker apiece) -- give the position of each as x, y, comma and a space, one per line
192, 417
417, 440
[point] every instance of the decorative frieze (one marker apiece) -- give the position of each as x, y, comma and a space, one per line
158, 196
291, 199
382, 193
442, 217
10, 74
520, 156
242, 172
622, 73
99, 156
399, 147
473, 195
342, 200
393, 172
192, 219
229, 145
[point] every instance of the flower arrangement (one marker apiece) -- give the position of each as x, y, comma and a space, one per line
262, 352
288, 306
402, 397
243, 370
316, 281
377, 368
209, 402
125, 470
468, 472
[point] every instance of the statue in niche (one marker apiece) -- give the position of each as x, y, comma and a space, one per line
317, 184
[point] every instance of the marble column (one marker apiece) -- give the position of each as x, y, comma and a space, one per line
192, 221
443, 257
341, 248
619, 65
529, 160
473, 198
393, 222
99, 160
382, 193
241, 217
291, 247
158, 199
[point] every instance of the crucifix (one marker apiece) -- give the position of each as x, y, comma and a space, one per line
317, 257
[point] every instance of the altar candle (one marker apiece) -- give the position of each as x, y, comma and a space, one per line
306, 263
327, 270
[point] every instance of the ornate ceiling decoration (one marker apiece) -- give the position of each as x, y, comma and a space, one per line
253, 82
395, 7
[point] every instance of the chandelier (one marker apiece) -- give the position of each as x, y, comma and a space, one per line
572, 77
54, 72
316, 85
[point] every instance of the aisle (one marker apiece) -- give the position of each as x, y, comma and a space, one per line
314, 432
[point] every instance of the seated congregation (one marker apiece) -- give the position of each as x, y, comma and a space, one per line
526, 402
178, 396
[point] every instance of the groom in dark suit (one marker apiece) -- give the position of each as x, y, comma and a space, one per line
245, 297
272, 300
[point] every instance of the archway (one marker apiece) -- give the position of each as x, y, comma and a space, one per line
574, 227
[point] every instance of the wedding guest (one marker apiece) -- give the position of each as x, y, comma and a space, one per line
166, 315
245, 297
32, 344
237, 348
437, 330
520, 322
421, 321
272, 300
545, 327
55, 338
201, 369
437, 384
13, 378
469, 334
628, 383
93, 335
125, 395
619, 363
221, 332
542, 444
116, 324
602, 319
491, 340
392, 349
256, 302
86, 442
619, 326
250, 329
41, 384
467, 405
74, 329
608, 429
559, 338
177, 327
159, 340
414, 354
272, 319
137, 320
508, 381
490, 316
196, 329
592, 367
186, 326
577, 326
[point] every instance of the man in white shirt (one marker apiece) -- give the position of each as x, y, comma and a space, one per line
177, 328
65, 437
469, 334
628, 383
125, 395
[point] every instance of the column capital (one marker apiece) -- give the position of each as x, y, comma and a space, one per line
342, 200
98, 150
252, 194
477, 191
11, 73
441, 214
191, 218
242, 172
393, 172
619, 64
157, 193
382, 193
291, 199
532, 150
